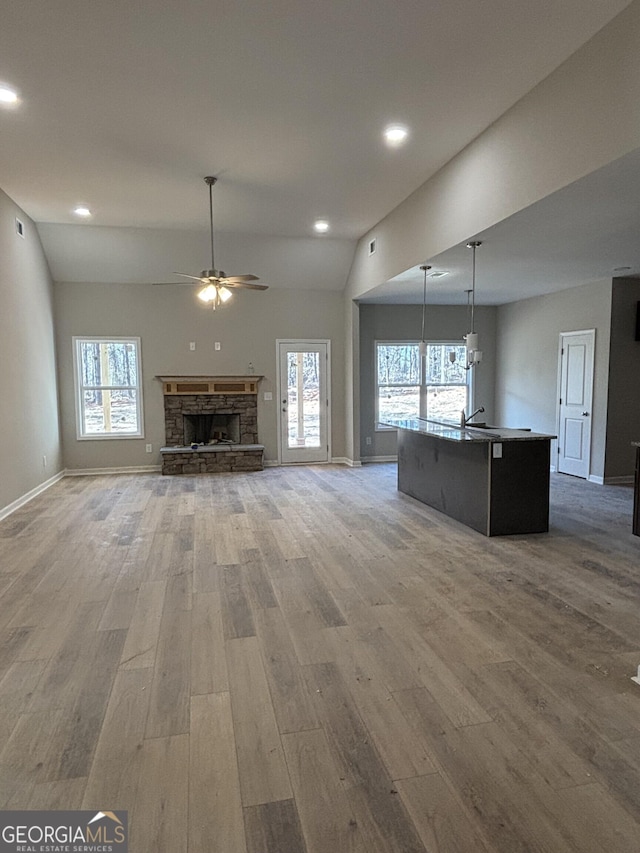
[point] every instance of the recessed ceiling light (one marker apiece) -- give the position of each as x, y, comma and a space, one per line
7, 95
395, 135
321, 226
81, 210
621, 269
437, 273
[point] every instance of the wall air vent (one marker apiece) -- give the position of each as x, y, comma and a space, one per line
372, 246
19, 228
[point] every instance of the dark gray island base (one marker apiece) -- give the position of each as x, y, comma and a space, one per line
493, 480
636, 492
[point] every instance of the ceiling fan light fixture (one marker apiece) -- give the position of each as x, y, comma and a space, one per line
208, 293
214, 293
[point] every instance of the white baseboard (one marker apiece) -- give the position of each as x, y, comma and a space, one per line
93, 472
619, 481
14, 505
595, 478
344, 460
335, 460
367, 459
553, 469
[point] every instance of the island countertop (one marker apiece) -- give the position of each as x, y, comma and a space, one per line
470, 433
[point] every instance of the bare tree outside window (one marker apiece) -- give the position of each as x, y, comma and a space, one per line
399, 383
109, 401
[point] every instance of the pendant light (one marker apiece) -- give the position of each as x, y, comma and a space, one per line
422, 347
474, 355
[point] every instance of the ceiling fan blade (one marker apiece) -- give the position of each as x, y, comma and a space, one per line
231, 283
242, 278
194, 277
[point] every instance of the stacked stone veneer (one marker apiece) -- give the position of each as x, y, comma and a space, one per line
212, 459
178, 405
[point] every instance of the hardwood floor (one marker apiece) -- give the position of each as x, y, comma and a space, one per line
303, 659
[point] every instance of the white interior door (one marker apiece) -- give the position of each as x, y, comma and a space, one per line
575, 406
304, 401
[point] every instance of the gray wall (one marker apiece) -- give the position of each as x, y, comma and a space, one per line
623, 412
527, 360
167, 319
28, 392
403, 323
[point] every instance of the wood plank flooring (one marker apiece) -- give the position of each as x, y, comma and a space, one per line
303, 660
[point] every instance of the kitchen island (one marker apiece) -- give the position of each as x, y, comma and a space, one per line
636, 492
493, 479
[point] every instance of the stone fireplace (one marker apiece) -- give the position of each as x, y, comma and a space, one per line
211, 424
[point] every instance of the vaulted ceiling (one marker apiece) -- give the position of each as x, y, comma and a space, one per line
126, 106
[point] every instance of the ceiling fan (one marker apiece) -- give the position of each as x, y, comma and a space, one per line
215, 283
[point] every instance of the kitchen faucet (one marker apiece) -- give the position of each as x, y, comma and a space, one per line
464, 420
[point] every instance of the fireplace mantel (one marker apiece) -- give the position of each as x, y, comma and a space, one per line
210, 385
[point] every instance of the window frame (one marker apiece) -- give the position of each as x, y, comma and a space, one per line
80, 387
422, 384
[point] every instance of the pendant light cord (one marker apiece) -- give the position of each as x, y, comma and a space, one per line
424, 268
473, 292
473, 245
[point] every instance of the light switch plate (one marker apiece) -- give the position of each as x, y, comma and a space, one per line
268, 395
216, 345
192, 345
497, 450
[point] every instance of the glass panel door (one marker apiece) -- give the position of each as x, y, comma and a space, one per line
303, 401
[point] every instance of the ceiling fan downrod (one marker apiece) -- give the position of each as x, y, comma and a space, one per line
210, 181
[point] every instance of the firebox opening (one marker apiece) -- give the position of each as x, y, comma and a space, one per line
211, 429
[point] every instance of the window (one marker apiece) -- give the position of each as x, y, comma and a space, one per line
446, 382
108, 387
398, 381
438, 389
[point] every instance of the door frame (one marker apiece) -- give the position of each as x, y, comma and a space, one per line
300, 342
561, 338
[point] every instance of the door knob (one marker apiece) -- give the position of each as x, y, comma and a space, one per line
586, 414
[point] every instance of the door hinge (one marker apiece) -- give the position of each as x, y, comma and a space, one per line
560, 400
558, 450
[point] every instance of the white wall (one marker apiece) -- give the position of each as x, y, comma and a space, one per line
527, 360
167, 319
28, 391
